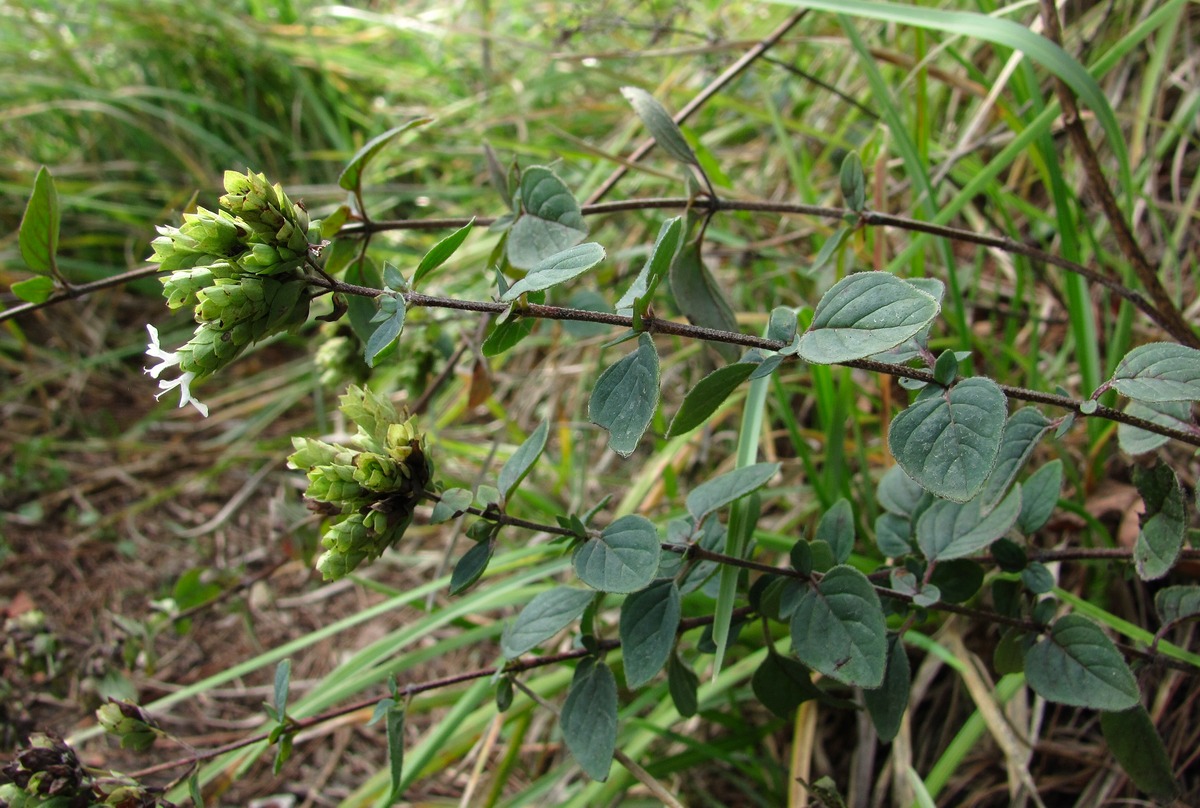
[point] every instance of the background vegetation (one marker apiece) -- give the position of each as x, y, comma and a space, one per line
171, 556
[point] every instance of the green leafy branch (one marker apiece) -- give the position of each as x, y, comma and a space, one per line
653, 325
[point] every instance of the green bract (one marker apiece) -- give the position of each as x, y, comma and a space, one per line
241, 270
370, 491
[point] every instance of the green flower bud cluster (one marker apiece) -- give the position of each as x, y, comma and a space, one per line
128, 722
242, 271
370, 490
339, 357
48, 774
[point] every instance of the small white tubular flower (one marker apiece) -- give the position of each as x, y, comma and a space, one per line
168, 359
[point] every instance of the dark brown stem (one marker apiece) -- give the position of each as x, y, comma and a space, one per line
1169, 316
868, 218
653, 325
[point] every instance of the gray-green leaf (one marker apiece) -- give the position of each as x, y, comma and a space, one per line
783, 684
957, 529
556, 268
1175, 603
522, 460
1160, 371
543, 617
395, 743
661, 125
471, 566
1163, 523
550, 220
854, 184
700, 299
898, 493
728, 488
589, 717
837, 529
887, 703
1039, 497
1135, 743
948, 443
1173, 414
387, 332
625, 397
656, 266
624, 558
1079, 666
838, 629
864, 314
708, 394
1024, 429
649, 620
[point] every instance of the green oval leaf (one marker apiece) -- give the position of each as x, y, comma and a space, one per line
700, 299
656, 266
1079, 666
543, 617
441, 252
38, 234
864, 314
395, 744
957, 529
504, 335
783, 684
948, 443
683, 684
893, 535
649, 620
589, 717
1039, 497
1172, 414
351, 176
728, 488
708, 394
887, 703
388, 331
836, 528
453, 502
854, 184
1175, 603
625, 397
838, 629
34, 290
558, 268
898, 493
1137, 746
470, 567
624, 558
1022, 431
550, 220
661, 125
1163, 523
522, 460
1160, 371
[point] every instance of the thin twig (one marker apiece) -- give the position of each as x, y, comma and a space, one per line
653, 325
1170, 318
708, 92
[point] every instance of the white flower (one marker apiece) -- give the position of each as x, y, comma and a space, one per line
168, 360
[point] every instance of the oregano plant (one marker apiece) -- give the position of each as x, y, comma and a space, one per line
675, 594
